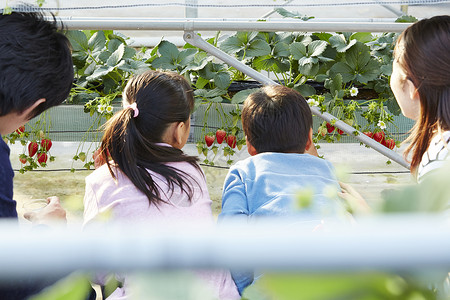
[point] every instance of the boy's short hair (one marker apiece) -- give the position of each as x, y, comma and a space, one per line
277, 119
35, 63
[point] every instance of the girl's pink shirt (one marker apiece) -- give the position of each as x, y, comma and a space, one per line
120, 200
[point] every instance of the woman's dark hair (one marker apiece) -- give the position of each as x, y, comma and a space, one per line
425, 58
134, 143
35, 63
277, 119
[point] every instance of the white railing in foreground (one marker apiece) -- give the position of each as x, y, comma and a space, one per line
400, 242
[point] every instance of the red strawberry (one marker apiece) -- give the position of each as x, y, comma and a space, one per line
42, 158
231, 141
46, 144
209, 139
378, 136
32, 148
220, 135
341, 132
20, 130
368, 133
330, 128
390, 143
23, 159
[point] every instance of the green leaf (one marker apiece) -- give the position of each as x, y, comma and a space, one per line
72, 287
116, 56
167, 49
369, 72
78, 40
309, 69
186, 56
201, 82
215, 92
129, 52
231, 45
134, 66
258, 48
339, 43
240, 96
305, 90
316, 48
307, 60
295, 15
298, 50
324, 36
163, 62
358, 56
363, 37
217, 99
270, 63
97, 42
222, 80
90, 68
406, 19
100, 72
104, 56
113, 45
386, 69
281, 50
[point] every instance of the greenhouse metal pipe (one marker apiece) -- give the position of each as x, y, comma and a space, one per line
195, 40
395, 243
224, 25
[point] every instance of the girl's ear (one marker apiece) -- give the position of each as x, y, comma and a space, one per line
179, 134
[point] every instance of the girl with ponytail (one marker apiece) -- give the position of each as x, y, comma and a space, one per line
146, 175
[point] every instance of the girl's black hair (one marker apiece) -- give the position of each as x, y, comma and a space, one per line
134, 143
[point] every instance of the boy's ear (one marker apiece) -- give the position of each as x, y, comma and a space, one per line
30, 109
310, 148
250, 149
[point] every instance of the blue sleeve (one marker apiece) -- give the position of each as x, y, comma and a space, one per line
7, 204
242, 280
234, 198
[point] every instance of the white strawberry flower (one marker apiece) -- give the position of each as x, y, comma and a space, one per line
381, 124
312, 102
354, 91
109, 109
101, 109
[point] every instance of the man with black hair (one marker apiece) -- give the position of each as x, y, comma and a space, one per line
36, 73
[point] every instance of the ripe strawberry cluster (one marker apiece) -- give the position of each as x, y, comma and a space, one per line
220, 136
380, 137
212, 141
37, 152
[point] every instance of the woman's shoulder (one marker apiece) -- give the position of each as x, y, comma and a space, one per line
436, 154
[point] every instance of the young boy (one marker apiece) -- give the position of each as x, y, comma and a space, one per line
277, 123
36, 73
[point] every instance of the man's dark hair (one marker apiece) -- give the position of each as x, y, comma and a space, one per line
35, 63
277, 119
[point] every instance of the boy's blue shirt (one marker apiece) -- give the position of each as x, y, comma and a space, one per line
266, 185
